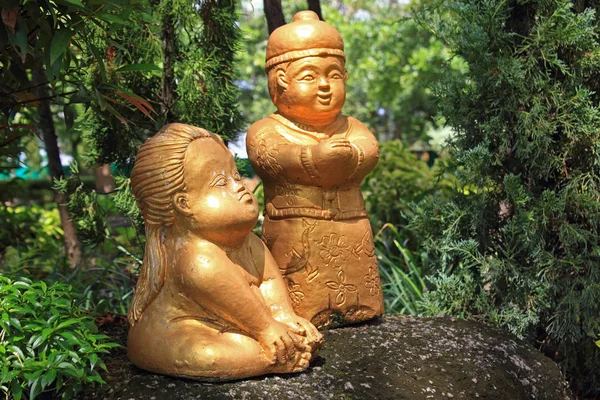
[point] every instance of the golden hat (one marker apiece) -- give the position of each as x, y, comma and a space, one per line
305, 36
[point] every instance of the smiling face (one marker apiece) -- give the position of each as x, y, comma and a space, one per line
314, 89
215, 200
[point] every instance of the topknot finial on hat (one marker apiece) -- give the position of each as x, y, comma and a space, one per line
305, 36
307, 14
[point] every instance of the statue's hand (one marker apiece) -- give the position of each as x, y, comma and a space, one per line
335, 160
302, 327
280, 343
334, 152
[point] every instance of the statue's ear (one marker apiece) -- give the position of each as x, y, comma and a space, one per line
345, 75
181, 204
282, 79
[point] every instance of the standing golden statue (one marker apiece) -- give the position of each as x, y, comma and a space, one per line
312, 159
210, 302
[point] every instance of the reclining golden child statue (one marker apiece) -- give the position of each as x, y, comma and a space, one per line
210, 302
312, 159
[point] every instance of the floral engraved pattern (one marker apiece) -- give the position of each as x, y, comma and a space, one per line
366, 246
334, 249
372, 282
266, 158
299, 261
295, 294
341, 287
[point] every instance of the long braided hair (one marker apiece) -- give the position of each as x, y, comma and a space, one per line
156, 177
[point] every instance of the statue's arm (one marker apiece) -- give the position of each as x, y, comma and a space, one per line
366, 147
275, 294
215, 283
274, 157
273, 287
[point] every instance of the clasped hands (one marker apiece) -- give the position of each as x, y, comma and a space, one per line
335, 160
290, 338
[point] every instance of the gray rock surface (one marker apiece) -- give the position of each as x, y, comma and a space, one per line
396, 357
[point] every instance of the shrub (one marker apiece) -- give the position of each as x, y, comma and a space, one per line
46, 342
398, 180
31, 239
523, 229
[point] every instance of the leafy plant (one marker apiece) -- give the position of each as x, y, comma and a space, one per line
398, 180
402, 279
30, 240
47, 344
522, 230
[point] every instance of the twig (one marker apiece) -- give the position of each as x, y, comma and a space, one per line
65, 94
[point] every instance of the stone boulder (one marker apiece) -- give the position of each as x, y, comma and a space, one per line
395, 357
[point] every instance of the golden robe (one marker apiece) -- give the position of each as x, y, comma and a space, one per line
316, 229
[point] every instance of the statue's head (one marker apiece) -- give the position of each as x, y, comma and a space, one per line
305, 64
185, 181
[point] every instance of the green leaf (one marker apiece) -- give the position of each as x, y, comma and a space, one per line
42, 283
21, 284
15, 322
69, 117
66, 323
93, 360
75, 3
48, 378
112, 18
59, 44
20, 37
16, 390
35, 389
140, 67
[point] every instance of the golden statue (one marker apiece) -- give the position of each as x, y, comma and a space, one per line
210, 302
312, 159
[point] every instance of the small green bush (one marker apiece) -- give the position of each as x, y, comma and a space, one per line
31, 240
47, 343
398, 180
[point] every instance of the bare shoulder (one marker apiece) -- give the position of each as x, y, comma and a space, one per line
198, 255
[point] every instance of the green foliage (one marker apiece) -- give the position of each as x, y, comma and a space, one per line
30, 235
208, 88
520, 237
47, 344
58, 37
31, 245
398, 180
392, 64
401, 273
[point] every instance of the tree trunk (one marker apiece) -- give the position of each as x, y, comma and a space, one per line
104, 180
169, 85
315, 5
42, 91
274, 14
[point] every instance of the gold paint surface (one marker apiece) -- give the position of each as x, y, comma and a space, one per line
312, 160
210, 302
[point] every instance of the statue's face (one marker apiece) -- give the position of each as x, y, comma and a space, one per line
316, 89
216, 196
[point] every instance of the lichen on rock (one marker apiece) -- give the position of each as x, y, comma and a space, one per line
395, 357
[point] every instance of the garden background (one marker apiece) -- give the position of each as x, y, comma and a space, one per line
485, 201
